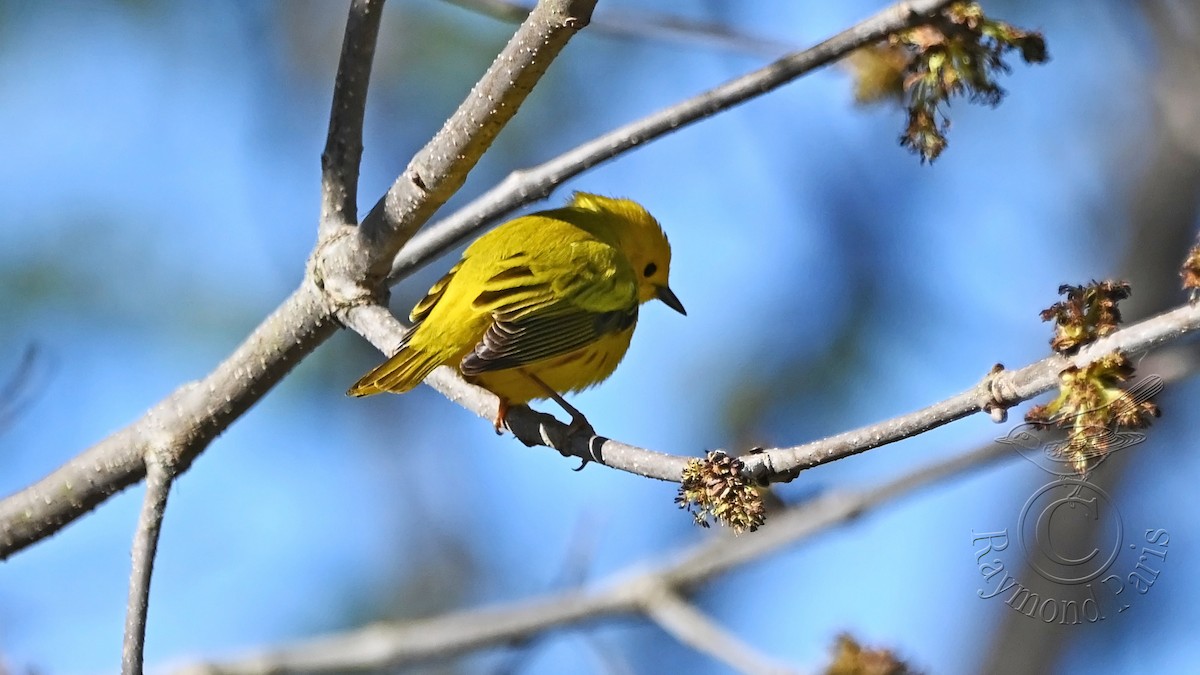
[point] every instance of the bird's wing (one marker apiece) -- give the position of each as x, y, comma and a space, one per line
541, 336
425, 306
552, 305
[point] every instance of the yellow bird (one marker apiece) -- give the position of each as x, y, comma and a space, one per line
542, 305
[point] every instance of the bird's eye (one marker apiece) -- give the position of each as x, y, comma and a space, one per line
651, 268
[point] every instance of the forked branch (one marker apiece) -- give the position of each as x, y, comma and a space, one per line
340, 275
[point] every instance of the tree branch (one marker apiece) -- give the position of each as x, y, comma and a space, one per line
14, 393
1005, 389
691, 627
389, 645
339, 276
343, 146
999, 390
385, 645
439, 169
646, 26
529, 185
177, 428
145, 545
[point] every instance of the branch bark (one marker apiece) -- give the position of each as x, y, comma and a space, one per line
145, 547
342, 158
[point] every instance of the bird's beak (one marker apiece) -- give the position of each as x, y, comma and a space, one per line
671, 300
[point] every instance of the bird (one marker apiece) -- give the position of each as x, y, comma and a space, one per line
542, 305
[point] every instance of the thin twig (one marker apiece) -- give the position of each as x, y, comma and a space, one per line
145, 546
535, 183
388, 645
1003, 389
13, 393
647, 26
691, 627
343, 146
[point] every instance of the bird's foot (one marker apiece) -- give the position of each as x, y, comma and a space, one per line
578, 424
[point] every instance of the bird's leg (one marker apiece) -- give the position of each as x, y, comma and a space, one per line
578, 421
501, 415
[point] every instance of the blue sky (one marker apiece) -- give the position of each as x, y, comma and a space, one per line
160, 197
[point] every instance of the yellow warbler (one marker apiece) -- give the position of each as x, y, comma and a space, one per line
542, 305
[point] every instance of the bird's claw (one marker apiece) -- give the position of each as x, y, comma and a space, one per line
579, 424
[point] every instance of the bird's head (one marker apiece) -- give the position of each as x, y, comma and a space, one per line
642, 240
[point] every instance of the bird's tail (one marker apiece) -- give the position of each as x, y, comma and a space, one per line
398, 374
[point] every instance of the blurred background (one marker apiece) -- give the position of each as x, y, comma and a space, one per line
159, 196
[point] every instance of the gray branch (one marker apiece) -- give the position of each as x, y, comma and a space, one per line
145, 546
996, 391
648, 26
179, 427
691, 627
340, 163
389, 645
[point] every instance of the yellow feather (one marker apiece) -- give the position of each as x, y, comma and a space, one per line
550, 298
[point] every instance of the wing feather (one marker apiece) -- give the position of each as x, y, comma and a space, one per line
425, 306
540, 336
566, 302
